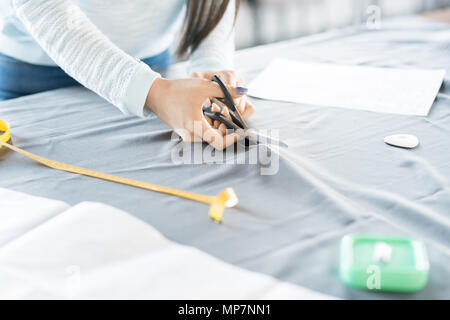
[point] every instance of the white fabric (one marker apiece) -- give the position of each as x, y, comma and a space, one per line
97, 42
20, 213
95, 251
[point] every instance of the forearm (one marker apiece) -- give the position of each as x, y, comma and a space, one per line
85, 53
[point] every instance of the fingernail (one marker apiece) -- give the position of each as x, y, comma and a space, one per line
241, 90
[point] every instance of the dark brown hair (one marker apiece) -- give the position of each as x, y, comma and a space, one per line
202, 16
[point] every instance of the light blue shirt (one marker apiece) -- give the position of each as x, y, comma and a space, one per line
149, 35
99, 42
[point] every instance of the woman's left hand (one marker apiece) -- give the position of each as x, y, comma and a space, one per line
230, 78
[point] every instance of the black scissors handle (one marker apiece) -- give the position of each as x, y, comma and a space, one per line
227, 99
217, 116
229, 102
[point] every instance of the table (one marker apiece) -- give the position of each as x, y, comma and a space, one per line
336, 177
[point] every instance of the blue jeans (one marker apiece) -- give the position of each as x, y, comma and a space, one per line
19, 78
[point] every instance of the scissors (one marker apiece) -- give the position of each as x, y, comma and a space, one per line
237, 122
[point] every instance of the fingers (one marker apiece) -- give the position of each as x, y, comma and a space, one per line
245, 107
240, 81
218, 103
222, 129
226, 113
238, 92
216, 139
215, 107
236, 82
248, 108
228, 77
232, 81
241, 105
197, 75
212, 89
211, 135
210, 122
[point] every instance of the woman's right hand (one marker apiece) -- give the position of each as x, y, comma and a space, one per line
179, 103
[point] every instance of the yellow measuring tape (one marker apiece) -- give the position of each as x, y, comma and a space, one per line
225, 199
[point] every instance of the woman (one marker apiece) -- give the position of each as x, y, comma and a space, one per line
49, 44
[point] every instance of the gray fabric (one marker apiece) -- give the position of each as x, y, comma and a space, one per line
336, 177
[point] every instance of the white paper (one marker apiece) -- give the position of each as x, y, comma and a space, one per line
94, 251
399, 91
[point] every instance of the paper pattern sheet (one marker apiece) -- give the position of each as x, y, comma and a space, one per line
399, 91
95, 251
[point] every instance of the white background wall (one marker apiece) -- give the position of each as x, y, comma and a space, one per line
275, 20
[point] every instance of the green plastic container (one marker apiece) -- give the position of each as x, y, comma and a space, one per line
386, 263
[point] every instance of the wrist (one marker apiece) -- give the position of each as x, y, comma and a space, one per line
156, 92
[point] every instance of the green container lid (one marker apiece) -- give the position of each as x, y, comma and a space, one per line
387, 263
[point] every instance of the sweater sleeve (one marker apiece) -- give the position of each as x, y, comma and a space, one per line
86, 54
216, 52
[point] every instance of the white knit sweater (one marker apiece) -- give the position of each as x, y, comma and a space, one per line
99, 42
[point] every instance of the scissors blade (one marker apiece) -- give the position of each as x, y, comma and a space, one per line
258, 138
251, 135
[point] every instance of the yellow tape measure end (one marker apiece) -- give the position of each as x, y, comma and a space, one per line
226, 199
4, 126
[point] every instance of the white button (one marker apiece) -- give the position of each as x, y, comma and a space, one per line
407, 141
382, 252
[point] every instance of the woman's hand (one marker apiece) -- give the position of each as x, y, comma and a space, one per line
179, 104
230, 78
